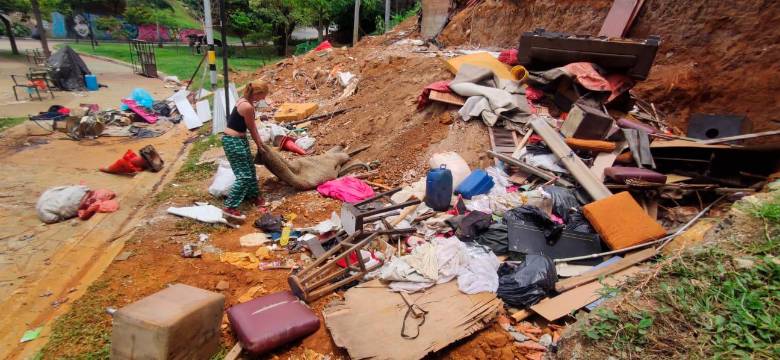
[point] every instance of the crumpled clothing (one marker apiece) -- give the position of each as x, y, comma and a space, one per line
201, 211
508, 57
100, 200
488, 96
129, 163
448, 254
546, 161
468, 227
349, 189
478, 274
587, 75
423, 100
500, 204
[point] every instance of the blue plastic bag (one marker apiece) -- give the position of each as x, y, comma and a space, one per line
141, 97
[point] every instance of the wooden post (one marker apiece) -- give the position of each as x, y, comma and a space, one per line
356, 26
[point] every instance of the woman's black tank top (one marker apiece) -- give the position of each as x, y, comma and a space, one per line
236, 121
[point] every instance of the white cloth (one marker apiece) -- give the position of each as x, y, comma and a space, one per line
201, 212
223, 180
60, 203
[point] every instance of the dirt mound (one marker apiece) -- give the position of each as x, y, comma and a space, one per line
383, 110
715, 57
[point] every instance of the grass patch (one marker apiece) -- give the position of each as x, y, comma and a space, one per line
721, 301
178, 60
82, 332
7, 123
190, 170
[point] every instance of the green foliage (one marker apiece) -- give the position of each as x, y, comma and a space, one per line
138, 15
7, 123
768, 210
9, 6
623, 332
397, 18
18, 29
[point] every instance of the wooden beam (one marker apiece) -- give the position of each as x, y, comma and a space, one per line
578, 169
592, 275
740, 137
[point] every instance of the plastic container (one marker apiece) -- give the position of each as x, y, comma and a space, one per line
477, 183
438, 188
91, 82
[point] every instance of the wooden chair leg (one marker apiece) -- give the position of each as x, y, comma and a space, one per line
15, 94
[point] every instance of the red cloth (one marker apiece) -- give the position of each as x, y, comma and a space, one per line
323, 46
508, 57
130, 163
586, 75
100, 200
533, 94
441, 86
347, 189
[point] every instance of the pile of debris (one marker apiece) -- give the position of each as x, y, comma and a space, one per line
588, 183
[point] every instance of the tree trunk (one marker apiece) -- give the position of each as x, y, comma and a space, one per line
11, 37
41, 31
319, 30
159, 38
243, 45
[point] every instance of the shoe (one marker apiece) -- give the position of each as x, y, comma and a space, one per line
233, 213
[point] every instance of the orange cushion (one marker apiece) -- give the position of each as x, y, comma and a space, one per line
621, 222
592, 145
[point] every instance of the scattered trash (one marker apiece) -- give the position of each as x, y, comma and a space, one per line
254, 239
31, 335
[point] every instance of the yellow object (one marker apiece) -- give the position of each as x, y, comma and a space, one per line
212, 57
241, 259
483, 60
263, 253
519, 72
285, 236
295, 112
250, 294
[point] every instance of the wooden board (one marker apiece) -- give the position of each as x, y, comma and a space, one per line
368, 321
447, 98
619, 18
629, 260
557, 307
573, 163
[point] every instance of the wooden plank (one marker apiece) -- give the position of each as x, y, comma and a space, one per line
447, 98
234, 352
522, 315
573, 163
521, 144
740, 137
629, 260
619, 18
557, 307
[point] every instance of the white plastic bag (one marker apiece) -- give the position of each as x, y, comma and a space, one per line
60, 203
305, 143
459, 168
479, 273
223, 180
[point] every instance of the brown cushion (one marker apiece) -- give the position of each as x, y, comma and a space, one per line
623, 173
271, 321
592, 145
621, 222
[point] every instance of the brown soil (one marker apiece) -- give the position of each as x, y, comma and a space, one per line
715, 56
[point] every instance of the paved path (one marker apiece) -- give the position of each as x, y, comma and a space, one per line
120, 80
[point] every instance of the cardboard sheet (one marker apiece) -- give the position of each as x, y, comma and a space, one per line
557, 307
368, 322
295, 112
483, 60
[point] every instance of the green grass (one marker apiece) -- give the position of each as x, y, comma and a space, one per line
81, 332
7, 123
182, 16
722, 301
179, 61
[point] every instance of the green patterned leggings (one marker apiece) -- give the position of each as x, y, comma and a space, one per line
240, 157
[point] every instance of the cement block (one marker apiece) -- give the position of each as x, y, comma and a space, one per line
180, 322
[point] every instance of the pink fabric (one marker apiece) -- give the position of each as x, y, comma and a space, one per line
149, 117
347, 189
441, 86
323, 46
587, 76
100, 200
187, 32
533, 94
508, 57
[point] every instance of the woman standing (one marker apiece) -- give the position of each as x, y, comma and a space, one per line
237, 149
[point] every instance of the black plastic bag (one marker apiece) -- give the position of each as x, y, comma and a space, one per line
269, 223
468, 227
496, 237
577, 222
563, 201
161, 108
525, 284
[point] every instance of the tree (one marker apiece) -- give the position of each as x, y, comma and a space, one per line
281, 16
318, 13
110, 25
39, 24
138, 15
241, 23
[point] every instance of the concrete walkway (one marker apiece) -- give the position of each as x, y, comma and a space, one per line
120, 80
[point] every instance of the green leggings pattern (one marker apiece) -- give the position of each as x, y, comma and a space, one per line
240, 157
